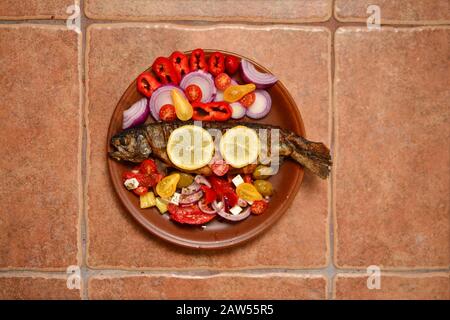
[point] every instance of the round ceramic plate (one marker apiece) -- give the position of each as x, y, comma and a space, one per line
217, 233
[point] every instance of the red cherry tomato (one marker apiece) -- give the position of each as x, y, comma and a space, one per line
220, 186
147, 84
222, 81
167, 113
231, 64
189, 214
248, 99
220, 167
148, 166
141, 190
216, 64
259, 206
193, 93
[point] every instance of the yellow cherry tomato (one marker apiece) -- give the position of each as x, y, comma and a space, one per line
248, 192
183, 108
167, 186
236, 92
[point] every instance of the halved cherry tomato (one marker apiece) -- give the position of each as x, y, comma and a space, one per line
259, 206
248, 99
219, 167
189, 214
193, 93
128, 175
165, 71
148, 166
216, 64
141, 190
222, 81
146, 84
232, 64
180, 63
197, 60
210, 194
167, 113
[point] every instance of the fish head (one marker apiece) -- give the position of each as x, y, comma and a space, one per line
130, 145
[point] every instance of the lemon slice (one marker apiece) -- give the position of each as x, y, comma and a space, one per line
190, 147
239, 146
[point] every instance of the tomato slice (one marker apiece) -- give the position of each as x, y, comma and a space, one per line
141, 190
248, 99
193, 93
189, 214
148, 166
259, 206
167, 113
210, 194
222, 81
220, 186
248, 178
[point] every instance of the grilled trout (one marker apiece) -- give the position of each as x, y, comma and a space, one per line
139, 143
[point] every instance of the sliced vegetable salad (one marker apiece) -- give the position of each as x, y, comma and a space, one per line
217, 88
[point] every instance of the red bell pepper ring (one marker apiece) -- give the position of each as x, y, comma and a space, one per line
146, 84
165, 71
180, 63
197, 61
216, 64
210, 194
213, 111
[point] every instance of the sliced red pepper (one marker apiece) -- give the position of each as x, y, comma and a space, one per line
180, 63
213, 111
210, 194
230, 199
147, 84
189, 214
197, 61
202, 112
165, 71
220, 111
216, 64
220, 186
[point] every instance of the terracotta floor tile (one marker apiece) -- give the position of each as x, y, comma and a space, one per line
215, 10
214, 287
392, 104
35, 288
398, 11
34, 9
415, 286
40, 129
117, 54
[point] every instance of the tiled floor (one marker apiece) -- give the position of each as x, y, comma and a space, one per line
379, 98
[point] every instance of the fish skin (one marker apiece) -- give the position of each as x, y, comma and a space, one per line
150, 140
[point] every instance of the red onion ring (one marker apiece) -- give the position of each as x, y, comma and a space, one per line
250, 75
228, 216
136, 114
160, 97
202, 79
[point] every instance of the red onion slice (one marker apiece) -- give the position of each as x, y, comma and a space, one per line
202, 180
262, 105
231, 217
251, 75
190, 198
160, 97
190, 189
238, 110
136, 114
205, 208
204, 80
